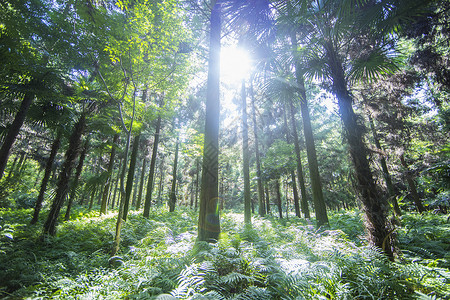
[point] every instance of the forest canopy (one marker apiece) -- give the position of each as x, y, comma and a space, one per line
214, 148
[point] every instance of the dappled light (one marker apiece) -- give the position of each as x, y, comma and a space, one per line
229, 149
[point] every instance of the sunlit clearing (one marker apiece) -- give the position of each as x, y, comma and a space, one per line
235, 64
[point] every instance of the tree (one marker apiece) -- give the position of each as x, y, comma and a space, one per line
209, 222
173, 192
106, 189
245, 157
48, 170
66, 171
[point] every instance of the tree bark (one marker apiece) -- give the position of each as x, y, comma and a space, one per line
14, 131
151, 174
64, 177
412, 186
375, 206
245, 158
386, 175
141, 184
294, 184
261, 200
76, 179
301, 180
106, 189
48, 170
278, 192
173, 192
130, 176
209, 221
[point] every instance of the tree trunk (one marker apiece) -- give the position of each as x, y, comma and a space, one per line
278, 192
173, 192
161, 181
412, 186
151, 174
130, 177
209, 221
48, 170
294, 184
261, 200
116, 186
266, 189
106, 189
13, 131
141, 184
196, 184
386, 175
375, 206
76, 179
64, 177
245, 158
301, 180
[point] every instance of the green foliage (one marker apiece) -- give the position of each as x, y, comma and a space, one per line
276, 259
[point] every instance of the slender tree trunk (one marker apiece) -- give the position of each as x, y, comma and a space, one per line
387, 176
412, 186
173, 193
141, 184
245, 158
266, 189
316, 185
278, 192
151, 174
161, 181
64, 177
301, 180
76, 179
130, 177
295, 192
14, 131
209, 221
196, 184
375, 206
48, 170
106, 190
261, 200
116, 186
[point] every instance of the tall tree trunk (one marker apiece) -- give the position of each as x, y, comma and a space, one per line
106, 189
245, 158
141, 184
208, 219
412, 186
116, 186
13, 131
316, 185
64, 177
76, 179
48, 170
278, 193
301, 180
196, 184
267, 197
151, 174
173, 192
375, 206
386, 175
161, 181
294, 184
130, 177
261, 200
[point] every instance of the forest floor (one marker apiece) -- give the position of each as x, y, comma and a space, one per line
276, 259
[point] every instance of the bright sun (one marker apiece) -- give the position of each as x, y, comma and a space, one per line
235, 64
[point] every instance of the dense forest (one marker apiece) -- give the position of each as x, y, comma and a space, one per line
224, 149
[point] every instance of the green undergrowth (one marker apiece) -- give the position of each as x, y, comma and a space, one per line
275, 259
